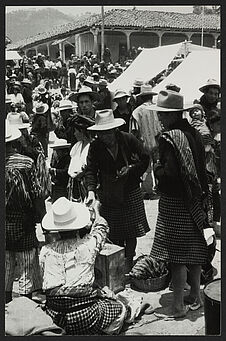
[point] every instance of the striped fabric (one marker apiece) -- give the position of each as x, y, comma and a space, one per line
193, 191
128, 221
27, 263
177, 240
88, 315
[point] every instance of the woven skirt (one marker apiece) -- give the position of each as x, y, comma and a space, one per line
82, 315
177, 239
128, 221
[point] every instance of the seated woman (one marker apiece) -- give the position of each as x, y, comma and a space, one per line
68, 273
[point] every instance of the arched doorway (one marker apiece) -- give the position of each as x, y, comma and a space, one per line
173, 38
208, 39
144, 39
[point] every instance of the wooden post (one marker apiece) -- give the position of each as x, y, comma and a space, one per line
102, 32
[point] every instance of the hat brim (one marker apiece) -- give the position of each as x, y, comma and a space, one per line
205, 87
162, 109
115, 98
44, 111
99, 127
79, 223
66, 145
92, 94
147, 93
16, 134
24, 126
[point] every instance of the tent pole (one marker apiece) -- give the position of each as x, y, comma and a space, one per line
202, 25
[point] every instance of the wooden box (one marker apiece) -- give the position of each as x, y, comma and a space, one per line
110, 267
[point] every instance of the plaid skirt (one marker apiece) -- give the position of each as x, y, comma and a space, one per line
177, 239
128, 221
82, 315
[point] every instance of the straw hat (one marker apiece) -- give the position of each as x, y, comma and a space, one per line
11, 133
41, 90
137, 83
168, 101
105, 120
120, 94
65, 104
15, 120
66, 215
146, 89
26, 81
90, 80
103, 82
60, 143
86, 90
211, 82
40, 108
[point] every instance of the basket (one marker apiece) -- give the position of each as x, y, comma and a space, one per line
151, 284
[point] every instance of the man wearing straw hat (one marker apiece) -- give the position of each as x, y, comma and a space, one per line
85, 98
111, 161
145, 125
123, 109
182, 182
39, 125
24, 208
210, 98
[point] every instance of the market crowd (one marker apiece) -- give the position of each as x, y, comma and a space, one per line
111, 152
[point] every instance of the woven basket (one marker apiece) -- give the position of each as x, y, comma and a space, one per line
151, 284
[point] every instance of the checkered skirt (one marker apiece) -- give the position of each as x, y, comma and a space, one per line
82, 315
128, 221
177, 239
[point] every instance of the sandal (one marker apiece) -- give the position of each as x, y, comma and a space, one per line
195, 306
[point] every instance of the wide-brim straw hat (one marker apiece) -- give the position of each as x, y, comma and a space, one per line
66, 104
146, 90
40, 108
60, 143
120, 94
169, 101
104, 120
138, 83
66, 215
26, 81
85, 90
16, 121
210, 83
11, 133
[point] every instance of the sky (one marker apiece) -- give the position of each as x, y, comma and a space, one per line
75, 10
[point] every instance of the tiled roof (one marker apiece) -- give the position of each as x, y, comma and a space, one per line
121, 18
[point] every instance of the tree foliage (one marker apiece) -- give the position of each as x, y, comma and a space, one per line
207, 9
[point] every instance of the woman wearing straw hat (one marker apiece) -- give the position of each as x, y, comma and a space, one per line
117, 160
68, 273
182, 183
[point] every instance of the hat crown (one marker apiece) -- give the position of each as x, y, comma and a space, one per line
11, 132
84, 89
64, 211
15, 119
104, 117
138, 83
170, 100
120, 93
146, 89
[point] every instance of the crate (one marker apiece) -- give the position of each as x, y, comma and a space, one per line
110, 267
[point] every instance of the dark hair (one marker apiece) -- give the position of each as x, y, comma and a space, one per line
72, 234
146, 97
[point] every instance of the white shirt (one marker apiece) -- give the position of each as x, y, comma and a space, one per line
69, 264
78, 158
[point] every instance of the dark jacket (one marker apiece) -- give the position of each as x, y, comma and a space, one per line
168, 175
39, 125
100, 163
125, 117
61, 164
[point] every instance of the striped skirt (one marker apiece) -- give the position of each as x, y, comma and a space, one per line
177, 239
128, 221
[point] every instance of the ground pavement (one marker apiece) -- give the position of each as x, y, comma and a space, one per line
192, 324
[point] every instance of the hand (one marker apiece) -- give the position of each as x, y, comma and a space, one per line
90, 200
123, 172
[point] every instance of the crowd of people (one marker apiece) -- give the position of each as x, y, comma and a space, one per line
110, 153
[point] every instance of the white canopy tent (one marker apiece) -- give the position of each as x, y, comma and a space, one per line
193, 73
150, 62
147, 65
12, 55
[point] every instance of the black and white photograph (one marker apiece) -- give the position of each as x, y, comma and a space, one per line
98, 97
